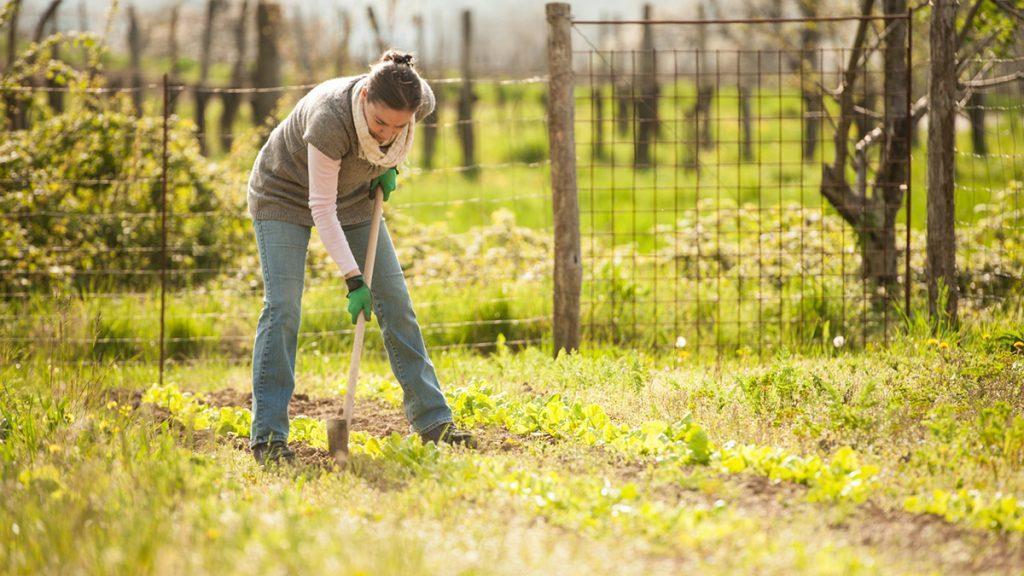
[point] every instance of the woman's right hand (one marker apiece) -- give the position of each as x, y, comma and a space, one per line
359, 299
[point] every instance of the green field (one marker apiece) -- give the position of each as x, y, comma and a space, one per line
899, 461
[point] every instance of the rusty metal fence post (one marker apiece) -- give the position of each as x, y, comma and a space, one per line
568, 266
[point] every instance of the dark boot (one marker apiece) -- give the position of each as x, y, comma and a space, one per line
448, 433
273, 452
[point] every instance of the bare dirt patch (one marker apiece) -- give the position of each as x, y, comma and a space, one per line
371, 416
925, 537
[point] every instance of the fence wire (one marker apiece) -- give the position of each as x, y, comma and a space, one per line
471, 232
706, 221
989, 186
731, 202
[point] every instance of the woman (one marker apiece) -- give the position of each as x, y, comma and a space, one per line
320, 167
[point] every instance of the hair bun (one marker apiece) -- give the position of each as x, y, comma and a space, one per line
397, 57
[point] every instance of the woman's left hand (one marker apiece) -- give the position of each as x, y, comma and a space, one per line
388, 181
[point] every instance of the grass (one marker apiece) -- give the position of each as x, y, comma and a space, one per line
95, 485
757, 445
707, 296
740, 257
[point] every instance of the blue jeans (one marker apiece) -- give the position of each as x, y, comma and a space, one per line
282, 249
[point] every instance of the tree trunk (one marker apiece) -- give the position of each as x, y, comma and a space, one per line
83, 24
55, 98
13, 104
233, 100
623, 102
702, 114
202, 96
873, 217
135, 60
345, 22
175, 56
466, 100
646, 108
597, 123
268, 59
430, 121
621, 89
378, 36
865, 122
976, 114
747, 150
705, 88
877, 239
809, 38
879, 224
941, 265
303, 46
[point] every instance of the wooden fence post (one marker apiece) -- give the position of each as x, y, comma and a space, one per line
568, 267
942, 98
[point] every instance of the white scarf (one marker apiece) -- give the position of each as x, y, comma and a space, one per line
369, 149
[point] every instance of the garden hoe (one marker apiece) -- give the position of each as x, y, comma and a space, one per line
338, 428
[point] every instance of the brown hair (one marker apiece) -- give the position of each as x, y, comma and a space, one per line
393, 82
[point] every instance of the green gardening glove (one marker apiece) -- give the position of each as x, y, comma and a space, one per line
388, 181
359, 299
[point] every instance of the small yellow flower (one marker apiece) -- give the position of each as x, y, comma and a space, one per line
933, 342
54, 448
212, 533
1018, 344
112, 404
944, 345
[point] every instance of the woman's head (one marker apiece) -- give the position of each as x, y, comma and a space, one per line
391, 95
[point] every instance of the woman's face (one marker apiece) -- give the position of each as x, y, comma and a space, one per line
384, 123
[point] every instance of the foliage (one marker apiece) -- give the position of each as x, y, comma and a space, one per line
84, 190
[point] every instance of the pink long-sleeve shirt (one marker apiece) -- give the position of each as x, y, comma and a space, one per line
323, 198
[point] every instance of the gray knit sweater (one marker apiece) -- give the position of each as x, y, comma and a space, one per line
279, 181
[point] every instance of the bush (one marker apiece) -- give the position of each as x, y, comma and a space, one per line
83, 185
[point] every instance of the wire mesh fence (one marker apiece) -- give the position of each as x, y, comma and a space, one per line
731, 200
990, 184
87, 262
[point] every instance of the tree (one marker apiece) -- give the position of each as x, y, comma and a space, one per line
871, 209
872, 212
